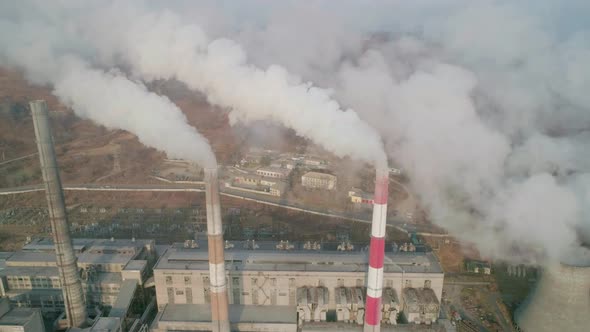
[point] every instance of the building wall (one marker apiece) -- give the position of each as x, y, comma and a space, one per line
311, 181
275, 287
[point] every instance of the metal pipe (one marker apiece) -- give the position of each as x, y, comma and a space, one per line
376, 253
75, 307
218, 285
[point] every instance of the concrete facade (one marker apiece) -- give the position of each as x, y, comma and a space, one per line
318, 181
560, 301
274, 278
30, 278
19, 319
273, 172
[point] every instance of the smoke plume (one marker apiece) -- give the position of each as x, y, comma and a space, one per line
107, 98
482, 103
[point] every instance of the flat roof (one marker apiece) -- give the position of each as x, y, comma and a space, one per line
31, 256
44, 271
102, 258
351, 327
44, 244
319, 175
83, 258
124, 299
19, 316
297, 260
106, 324
136, 264
109, 277
237, 313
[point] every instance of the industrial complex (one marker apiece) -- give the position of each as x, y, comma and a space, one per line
211, 285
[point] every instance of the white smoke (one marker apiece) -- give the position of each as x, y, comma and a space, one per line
483, 103
107, 98
159, 46
114, 101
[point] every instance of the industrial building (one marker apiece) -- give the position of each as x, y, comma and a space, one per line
273, 172
19, 319
112, 272
258, 184
205, 288
300, 285
358, 196
317, 180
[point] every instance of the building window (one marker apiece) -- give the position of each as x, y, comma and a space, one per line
179, 292
169, 280
170, 291
427, 284
187, 280
359, 283
389, 283
408, 283
189, 295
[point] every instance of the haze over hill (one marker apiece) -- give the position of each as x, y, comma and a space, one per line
483, 103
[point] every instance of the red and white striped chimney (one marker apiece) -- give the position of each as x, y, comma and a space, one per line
217, 282
376, 253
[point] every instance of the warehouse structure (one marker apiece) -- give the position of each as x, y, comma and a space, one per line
301, 286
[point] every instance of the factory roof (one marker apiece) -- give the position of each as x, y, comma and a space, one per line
124, 299
317, 175
348, 327
19, 316
237, 313
30, 257
101, 258
136, 264
106, 324
48, 258
46, 244
280, 170
46, 271
109, 278
298, 260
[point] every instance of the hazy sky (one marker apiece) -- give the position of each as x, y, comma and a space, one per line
485, 104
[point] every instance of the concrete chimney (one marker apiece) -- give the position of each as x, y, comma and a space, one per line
560, 301
75, 307
376, 253
218, 286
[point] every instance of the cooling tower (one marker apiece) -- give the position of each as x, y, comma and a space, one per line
560, 301
66, 259
218, 287
376, 253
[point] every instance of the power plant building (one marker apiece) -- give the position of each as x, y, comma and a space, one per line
30, 278
19, 319
302, 286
